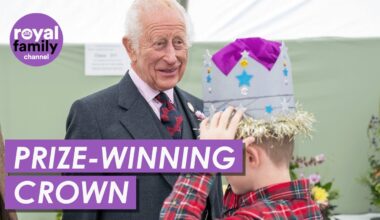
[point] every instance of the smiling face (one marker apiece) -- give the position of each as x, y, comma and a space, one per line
161, 57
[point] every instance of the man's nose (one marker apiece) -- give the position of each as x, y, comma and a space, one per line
170, 56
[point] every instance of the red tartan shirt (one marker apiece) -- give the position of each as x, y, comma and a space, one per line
289, 200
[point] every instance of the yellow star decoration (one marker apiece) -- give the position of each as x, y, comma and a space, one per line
244, 63
209, 70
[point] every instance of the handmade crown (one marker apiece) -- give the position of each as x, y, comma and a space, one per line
256, 74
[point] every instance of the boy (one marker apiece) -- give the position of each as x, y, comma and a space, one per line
265, 191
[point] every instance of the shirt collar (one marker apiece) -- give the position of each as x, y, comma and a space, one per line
146, 91
298, 189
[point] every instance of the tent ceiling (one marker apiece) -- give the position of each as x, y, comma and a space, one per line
214, 20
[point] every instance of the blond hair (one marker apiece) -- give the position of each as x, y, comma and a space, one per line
280, 151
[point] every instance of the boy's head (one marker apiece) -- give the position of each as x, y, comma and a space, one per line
279, 152
266, 163
258, 75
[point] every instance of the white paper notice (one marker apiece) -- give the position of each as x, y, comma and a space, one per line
105, 60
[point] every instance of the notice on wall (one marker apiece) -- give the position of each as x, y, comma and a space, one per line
105, 60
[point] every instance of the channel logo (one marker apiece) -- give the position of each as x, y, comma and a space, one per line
36, 39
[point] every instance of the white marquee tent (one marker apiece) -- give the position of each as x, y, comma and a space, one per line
213, 20
333, 45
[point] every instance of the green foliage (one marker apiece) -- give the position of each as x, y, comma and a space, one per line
322, 193
372, 180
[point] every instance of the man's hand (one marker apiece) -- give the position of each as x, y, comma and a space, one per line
222, 125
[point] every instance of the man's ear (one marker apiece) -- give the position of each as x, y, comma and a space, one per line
252, 156
130, 50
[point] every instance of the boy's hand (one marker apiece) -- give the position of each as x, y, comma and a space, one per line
223, 125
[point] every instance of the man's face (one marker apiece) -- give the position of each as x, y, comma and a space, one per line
162, 55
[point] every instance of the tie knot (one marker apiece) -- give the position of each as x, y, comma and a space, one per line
163, 98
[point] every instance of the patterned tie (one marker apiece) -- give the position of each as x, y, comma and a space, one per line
171, 118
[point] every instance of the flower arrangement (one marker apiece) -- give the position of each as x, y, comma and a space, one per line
373, 177
322, 193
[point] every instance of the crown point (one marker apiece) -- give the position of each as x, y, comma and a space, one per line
245, 54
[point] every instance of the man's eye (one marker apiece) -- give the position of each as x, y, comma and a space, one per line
159, 44
178, 42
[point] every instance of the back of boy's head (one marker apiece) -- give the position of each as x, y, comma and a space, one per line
271, 112
280, 151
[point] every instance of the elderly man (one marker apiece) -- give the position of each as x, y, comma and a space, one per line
145, 104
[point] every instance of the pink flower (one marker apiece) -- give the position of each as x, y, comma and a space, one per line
320, 158
314, 178
200, 115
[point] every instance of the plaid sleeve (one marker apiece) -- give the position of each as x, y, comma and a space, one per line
188, 197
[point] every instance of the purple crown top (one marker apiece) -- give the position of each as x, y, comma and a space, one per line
263, 51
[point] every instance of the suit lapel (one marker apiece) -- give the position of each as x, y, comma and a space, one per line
194, 122
139, 122
139, 119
